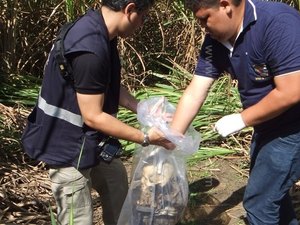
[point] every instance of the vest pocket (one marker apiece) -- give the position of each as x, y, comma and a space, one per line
89, 150
31, 139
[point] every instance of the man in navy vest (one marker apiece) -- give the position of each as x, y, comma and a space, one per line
75, 113
258, 44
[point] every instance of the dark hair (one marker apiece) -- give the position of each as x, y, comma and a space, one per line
194, 5
118, 5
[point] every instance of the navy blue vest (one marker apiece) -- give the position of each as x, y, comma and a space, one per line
55, 132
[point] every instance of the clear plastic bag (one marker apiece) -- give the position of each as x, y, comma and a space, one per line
158, 192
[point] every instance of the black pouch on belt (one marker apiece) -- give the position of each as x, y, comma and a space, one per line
110, 148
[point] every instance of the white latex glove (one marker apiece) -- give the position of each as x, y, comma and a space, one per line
229, 124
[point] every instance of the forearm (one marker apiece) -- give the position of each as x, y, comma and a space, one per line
187, 110
111, 126
285, 94
127, 100
94, 117
190, 103
268, 108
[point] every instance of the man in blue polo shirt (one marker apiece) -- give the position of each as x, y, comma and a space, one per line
258, 44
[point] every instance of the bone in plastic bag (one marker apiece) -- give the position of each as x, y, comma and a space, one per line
158, 192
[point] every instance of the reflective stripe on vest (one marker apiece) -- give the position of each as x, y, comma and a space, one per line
60, 113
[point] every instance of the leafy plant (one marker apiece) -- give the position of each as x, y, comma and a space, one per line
18, 90
53, 220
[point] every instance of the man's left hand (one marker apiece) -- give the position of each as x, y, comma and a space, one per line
229, 124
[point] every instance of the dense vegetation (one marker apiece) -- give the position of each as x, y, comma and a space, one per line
158, 60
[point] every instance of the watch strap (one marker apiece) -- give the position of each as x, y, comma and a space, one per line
146, 141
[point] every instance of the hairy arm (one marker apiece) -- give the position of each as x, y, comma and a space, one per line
190, 102
285, 94
93, 115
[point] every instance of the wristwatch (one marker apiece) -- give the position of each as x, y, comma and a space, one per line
146, 141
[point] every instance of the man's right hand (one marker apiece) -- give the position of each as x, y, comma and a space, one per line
156, 137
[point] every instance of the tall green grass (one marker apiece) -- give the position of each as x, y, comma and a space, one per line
19, 90
223, 99
74, 8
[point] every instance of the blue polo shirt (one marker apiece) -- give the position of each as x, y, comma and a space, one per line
267, 46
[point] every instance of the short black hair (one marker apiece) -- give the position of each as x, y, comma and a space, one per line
118, 5
195, 5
